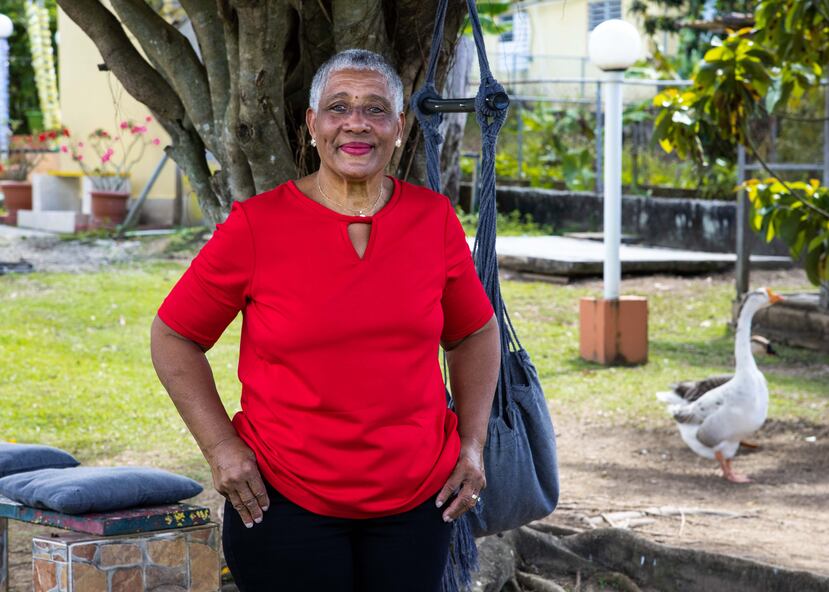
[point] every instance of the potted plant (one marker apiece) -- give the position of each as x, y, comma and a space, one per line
109, 168
25, 153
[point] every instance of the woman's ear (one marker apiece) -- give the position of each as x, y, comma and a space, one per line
401, 125
311, 121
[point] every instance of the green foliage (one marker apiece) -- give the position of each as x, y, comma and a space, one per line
22, 87
752, 73
512, 224
782, 210
558, 145
678, 16
488, 13
559, 151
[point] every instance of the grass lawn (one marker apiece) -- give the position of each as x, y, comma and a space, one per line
76, 370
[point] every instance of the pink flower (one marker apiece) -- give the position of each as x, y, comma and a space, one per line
148, 119
106, 157
156, 141
80, 156
124, 125
64, 149
80, 144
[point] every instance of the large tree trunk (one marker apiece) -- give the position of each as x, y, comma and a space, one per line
244, 100
454, 123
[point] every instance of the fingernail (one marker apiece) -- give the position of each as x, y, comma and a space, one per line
447, 519
258, 520
248, 524
438, 503
265, 509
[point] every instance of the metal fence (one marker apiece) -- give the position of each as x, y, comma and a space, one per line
587, 94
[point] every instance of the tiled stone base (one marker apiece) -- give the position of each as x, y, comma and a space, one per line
183, 560
4, 555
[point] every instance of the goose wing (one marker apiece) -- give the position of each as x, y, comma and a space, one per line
705, 406
691, 390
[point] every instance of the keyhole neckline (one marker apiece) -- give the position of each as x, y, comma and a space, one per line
315, 205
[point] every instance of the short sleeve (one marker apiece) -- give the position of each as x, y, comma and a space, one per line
216, 286
466, 307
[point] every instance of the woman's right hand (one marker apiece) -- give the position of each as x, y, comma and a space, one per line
236, 476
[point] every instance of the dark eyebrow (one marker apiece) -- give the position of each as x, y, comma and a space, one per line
345, 95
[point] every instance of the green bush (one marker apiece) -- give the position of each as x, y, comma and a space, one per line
512, 224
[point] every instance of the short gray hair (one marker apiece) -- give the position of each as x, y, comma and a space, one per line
357, 59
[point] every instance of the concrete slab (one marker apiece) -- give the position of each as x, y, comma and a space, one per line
561, 256
54, 221
14, 232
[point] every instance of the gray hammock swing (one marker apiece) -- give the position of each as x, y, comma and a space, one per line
520, 452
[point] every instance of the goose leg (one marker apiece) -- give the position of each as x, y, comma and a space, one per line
728, 472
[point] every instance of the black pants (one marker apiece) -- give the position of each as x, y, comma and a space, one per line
294, 550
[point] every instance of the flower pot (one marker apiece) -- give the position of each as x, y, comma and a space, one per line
17, 195
109, 208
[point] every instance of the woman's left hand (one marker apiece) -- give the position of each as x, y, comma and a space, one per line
468, 476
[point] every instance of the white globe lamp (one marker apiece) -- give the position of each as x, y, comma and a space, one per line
6, 27
614, 45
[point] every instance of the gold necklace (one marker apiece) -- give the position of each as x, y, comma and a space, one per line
361, 213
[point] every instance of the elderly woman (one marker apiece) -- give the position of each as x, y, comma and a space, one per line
344, 468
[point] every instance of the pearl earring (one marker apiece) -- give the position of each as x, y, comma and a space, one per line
398, 142
314, 142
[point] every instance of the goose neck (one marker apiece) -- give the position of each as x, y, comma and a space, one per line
742, 341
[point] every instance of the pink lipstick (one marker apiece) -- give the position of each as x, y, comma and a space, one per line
356, 148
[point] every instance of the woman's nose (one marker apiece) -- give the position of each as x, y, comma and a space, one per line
357, 121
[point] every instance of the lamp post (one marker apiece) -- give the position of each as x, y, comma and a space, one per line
6, 29
613, 329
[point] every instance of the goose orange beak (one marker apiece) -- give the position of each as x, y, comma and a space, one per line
774, 297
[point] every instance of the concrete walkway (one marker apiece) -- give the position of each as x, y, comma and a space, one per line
570, 257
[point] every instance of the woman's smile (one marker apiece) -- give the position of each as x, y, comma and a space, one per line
356, 148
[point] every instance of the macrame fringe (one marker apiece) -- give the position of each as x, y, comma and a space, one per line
463, 555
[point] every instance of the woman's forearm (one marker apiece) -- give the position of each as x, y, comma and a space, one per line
474, 364
184, 371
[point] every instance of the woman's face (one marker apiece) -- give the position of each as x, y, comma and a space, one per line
356, 125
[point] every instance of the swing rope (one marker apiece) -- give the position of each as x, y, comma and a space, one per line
491, 104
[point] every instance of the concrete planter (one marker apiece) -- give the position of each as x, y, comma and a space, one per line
109, 208
17, 195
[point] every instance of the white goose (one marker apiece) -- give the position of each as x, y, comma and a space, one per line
714, 414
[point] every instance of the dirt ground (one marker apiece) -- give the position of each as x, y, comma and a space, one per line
782, 518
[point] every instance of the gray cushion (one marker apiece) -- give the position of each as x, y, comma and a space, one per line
19, 458
82, 490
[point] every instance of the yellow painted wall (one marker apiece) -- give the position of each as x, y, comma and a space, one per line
87, 103
558, 44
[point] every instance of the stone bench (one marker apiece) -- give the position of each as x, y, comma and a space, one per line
172, 547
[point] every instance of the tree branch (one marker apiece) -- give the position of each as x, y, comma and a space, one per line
188, 152
139, 79
263, 32
203, 16
791, 191
174, 55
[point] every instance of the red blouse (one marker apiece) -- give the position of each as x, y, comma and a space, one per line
342, 393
